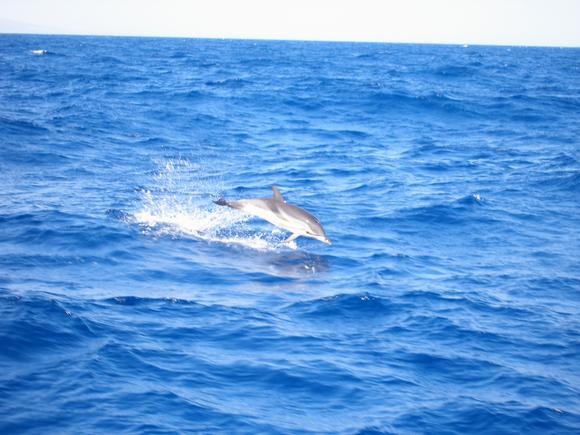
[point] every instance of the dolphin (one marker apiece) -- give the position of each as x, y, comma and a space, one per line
286, 216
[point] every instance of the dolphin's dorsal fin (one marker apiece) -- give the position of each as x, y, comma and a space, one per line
277, 195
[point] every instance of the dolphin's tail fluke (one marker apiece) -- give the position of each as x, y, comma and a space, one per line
222, 201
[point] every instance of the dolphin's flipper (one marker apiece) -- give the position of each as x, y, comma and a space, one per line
291, 238
277, 195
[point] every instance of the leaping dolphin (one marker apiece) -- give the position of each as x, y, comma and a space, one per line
287, 216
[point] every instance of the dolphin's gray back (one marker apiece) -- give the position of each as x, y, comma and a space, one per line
262, 203
275, 206
296, 212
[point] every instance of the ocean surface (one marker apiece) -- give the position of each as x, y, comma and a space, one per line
447, 177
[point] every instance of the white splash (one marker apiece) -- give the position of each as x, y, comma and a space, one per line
181, 204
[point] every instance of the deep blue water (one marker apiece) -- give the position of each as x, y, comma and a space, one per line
448, 178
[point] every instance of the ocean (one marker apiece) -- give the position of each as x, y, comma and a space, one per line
447, 178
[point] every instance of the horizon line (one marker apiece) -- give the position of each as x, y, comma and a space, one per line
344, 41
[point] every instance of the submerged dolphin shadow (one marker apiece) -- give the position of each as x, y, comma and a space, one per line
298, 264
282, 263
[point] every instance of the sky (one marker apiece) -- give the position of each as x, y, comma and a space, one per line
494, 22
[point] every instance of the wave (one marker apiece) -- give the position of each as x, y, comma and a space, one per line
462, 211
470, 414
148, 301
41, 326
21, 126
566, 181
234, 83
430, 102
344, 307
455, 71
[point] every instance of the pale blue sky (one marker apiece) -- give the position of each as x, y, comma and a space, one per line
504, 22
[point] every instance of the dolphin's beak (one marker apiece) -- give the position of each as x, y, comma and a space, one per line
327, 241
